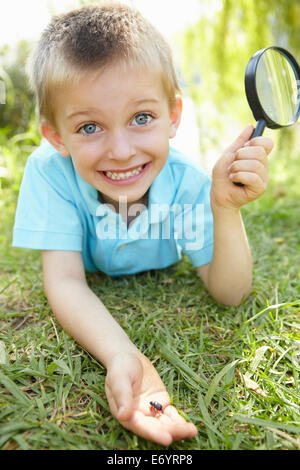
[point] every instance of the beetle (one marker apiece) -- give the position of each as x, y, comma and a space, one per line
155, 406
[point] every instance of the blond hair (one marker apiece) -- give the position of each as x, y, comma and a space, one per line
91, 37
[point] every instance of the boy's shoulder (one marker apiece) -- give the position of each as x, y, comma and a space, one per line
46, 155
180, 181
47, 168
49, 163
185, 170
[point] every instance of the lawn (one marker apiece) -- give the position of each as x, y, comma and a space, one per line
233, 371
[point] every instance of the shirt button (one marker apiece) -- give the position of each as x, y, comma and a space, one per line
121, 247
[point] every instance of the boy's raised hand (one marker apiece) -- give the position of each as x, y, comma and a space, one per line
131, 383
244, 161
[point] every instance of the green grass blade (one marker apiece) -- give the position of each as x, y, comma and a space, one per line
14, 389
179, 364
212, 388
267, 423
207, 420
63, 367
272, 307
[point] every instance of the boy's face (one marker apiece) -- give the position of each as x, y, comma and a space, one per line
116, 126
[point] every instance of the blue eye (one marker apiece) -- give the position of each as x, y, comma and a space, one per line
142, 119
89, 129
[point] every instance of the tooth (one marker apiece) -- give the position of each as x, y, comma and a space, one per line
121, 176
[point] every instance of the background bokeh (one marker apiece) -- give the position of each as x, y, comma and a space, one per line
212, 42
52, 391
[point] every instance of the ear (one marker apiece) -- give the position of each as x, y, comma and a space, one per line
51, 134
175, 116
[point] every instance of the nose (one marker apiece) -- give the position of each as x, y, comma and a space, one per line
120, 145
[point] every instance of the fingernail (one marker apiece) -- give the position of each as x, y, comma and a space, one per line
121, 410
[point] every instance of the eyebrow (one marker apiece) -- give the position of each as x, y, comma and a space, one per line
135, 102
145, 100
77, 113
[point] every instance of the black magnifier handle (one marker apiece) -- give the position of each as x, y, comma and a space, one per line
259, 129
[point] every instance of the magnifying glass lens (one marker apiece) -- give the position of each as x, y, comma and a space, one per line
276, 85
272, 84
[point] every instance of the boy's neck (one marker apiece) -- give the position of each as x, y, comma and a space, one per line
116, 204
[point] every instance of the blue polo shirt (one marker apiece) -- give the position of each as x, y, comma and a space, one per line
58, 210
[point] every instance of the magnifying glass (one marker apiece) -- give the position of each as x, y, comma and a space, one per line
272, 84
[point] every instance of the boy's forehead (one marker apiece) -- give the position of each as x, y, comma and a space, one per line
135, 79
133, 88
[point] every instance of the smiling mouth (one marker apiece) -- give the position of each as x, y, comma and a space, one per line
124, 175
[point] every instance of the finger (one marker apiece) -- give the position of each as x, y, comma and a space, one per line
149, 428
173, 414
250, 180
120, 396
241, 139
178, 430
162, 429
190, 429
252, 166
265, 142
257, 152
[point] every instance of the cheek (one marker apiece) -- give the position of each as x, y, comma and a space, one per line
154, 142
86, 154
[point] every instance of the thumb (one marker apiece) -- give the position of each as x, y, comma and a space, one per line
124, 399
121, 384
120, 396
241, 139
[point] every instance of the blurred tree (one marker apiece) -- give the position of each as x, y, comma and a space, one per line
218, 49
19, 107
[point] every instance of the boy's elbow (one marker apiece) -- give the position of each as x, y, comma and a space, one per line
234, 299
231, 302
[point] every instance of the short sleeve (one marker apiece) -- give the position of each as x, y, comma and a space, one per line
46, 217
193, 224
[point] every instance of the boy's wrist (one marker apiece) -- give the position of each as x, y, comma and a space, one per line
219, 209
125, 350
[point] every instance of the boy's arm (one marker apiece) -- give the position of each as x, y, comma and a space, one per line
78, 309
229, 275
131, 381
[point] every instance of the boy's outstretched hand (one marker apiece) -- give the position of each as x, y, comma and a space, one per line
244, 161
131, 383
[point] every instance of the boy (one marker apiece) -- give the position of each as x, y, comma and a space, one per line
107, 193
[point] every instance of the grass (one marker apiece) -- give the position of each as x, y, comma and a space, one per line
52, 391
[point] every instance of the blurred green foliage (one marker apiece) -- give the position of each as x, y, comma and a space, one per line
215, 53
20, 102
19, 133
